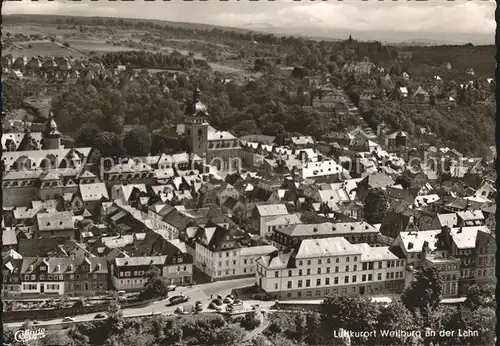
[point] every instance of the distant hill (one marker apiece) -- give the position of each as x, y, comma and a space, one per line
312, 32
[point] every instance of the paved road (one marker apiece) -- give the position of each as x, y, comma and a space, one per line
200, 292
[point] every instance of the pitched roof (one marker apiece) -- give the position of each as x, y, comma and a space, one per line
327, 228
450, 219
272, 209
465, 237
140, 261
9, 236
93, 192
55, 221
413, 242
378, 180
314, 248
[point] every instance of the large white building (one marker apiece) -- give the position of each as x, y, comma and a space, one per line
318, 267
223, 253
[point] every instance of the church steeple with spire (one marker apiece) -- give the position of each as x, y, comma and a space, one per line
28, 143
196, 124
51, 135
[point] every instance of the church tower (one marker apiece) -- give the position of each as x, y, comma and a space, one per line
28, 143
51, 136
196, 125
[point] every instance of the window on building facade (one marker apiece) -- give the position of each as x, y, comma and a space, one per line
346, 279
308, 283
289, 273
299, 283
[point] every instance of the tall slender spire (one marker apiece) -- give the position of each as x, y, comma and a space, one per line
196, 95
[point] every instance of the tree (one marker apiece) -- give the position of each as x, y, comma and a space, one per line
313, 323
352, 312
59, 338
155, 286
376, 205
246, 127
424, 293
480, 296
395, 316
250, 321
114, 310
300, 326
109, 144
137, 141
229, 335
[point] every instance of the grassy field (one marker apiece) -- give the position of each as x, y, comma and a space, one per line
40, 48
98, 46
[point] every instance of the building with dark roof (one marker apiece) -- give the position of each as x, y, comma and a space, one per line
227, 253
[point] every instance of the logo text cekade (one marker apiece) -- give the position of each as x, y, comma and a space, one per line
30, 334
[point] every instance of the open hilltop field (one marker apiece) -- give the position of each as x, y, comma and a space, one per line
77, 41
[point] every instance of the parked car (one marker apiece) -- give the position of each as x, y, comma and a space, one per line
238, 302
180, 310
219, 297
228, 300
171, 288
68, 319
35, 322
178, 299
100, 316
212, 306
217, 302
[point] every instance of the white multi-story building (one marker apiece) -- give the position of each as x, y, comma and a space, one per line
223, 253
318, 267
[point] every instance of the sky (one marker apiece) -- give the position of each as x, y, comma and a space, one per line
468, 21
